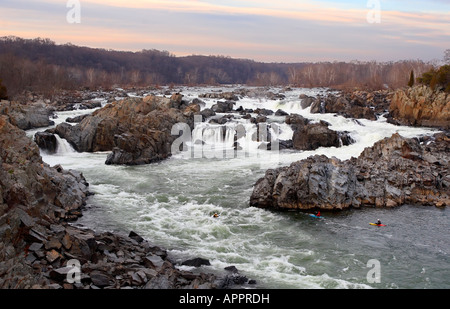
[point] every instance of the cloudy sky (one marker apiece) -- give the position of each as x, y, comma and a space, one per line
269, 31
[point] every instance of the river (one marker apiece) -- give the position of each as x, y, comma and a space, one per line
171, 204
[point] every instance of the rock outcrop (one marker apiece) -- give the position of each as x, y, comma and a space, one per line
420, 106
220, 95
357, 104
26, 181
27, 116
33, 196
393, 172
137, 131
310, 136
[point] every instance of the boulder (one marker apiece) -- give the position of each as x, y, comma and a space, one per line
223, 106
196, 262
207, 113
306, 101
313, 136
281, 112
310, 136
46, 141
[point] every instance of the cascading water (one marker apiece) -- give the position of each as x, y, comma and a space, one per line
63, 146
171, 203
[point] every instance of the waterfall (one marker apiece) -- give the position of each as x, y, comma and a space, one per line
63, 146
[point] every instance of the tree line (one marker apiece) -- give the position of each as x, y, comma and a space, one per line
41, 65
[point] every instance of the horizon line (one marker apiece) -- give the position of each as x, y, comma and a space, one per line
185, 55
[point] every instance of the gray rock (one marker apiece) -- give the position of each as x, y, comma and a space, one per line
382, 176
101, 279
46, 141
196, 262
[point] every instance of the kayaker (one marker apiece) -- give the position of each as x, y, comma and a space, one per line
378, 222
318, 214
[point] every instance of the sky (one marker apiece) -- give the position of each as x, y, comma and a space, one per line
263, 30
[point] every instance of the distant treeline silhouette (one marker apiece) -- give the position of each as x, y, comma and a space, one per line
42, 66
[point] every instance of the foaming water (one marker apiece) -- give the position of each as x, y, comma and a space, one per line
171, 203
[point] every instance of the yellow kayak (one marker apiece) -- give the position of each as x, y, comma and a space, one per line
377, 224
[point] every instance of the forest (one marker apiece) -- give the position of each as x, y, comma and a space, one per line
42, 66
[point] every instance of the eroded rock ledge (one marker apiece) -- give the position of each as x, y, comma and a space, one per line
394, 171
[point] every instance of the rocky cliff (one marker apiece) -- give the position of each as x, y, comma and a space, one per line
420, 106
393, 172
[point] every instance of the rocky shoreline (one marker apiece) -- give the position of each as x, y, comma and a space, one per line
40, 203
41, 248
393, 172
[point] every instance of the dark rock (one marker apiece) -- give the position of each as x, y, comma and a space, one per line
101, 279
306, 101
263, 111
313, 136
199, 102
76, 119
258, 119
232, 269
196, 262
153, 261
230, 281
280, 112
296, 121
207, 113
310, 136
60, 274
53, 243
282, 145
135, 236
223, 107
46, 141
